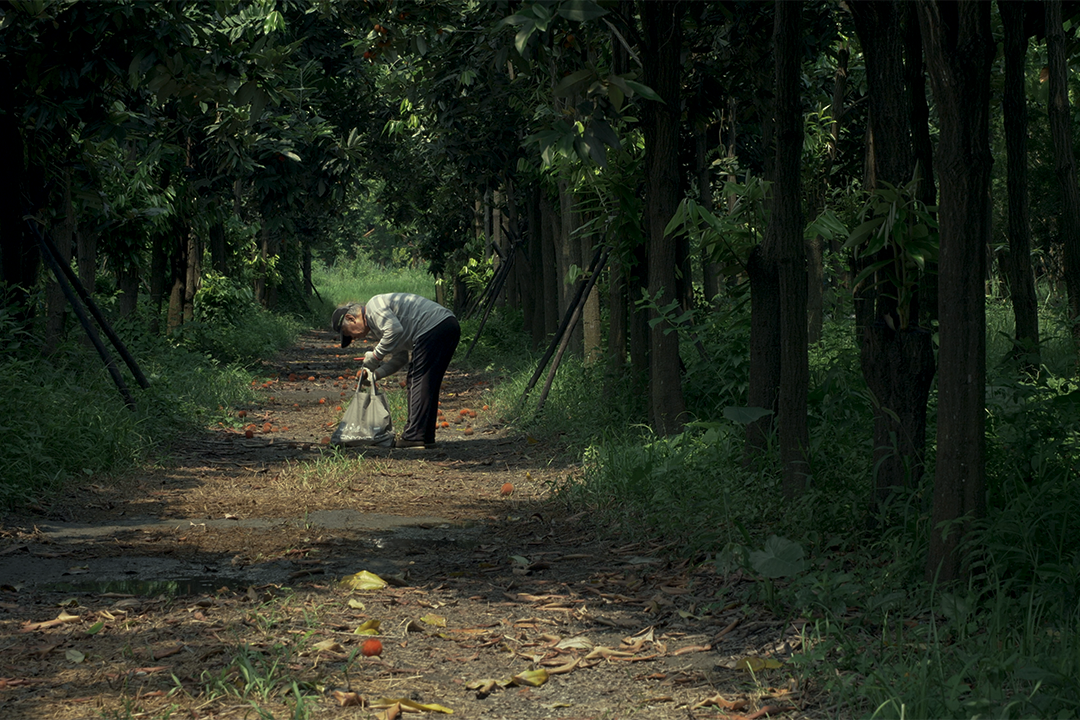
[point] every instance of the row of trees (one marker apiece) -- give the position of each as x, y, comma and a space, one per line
690, 145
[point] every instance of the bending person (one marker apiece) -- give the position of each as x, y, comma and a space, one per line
406, 328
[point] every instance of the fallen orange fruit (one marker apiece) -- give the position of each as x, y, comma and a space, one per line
371, 647
507, 488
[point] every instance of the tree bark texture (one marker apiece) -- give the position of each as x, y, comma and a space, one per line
898, 366
1060, 114
590, 314
765, 348
959, 49
710, 272
925, 305
1014, 112
549, 225
786, 227
896, 372
56, 301
663, 43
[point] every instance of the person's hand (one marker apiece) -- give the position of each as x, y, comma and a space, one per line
370, 361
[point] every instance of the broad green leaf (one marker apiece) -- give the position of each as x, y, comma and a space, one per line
581, 10
780, 558
95, 628
74, 656
643, 90
745, 415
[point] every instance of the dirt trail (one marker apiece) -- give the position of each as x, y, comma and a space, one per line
208, 586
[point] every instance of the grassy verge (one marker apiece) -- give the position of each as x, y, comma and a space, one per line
63, 418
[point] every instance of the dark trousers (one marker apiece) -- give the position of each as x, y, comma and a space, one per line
431, 356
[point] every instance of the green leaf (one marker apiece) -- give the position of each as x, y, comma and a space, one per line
780, 558
859, 234
643, 90
745, 415
581, 10
568, 85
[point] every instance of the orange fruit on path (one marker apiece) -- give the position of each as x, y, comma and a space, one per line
322, 401
484, 408
242, 413
445, 424
325, 441
371, 647
467, 431
266, 427
248, 434
311, 378
507, 488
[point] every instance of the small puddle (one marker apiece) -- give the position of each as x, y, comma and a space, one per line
148, 588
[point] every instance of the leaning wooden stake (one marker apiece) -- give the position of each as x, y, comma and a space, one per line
91, 332
92, 306
495, 288
574, 317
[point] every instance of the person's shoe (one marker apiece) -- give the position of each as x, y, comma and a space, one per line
403, 443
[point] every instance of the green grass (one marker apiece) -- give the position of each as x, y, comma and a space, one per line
64, 419
358, 280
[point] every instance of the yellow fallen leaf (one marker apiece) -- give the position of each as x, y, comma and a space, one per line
531, 678
356, 604
363, 580
757, 664
368, 627
436, 620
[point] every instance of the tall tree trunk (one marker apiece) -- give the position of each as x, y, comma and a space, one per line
765, 348
926, 301
86, 251
178, 266
1014, 113
534, 308
549, 226
1064, 163
218, 251
637, 282
569, 254
592, 346
710, 272
617, 314
159, 277
786, 230
663, 41
959, 50
193, 275
56, 301
897, 360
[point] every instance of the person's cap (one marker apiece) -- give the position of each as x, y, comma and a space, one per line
336, 321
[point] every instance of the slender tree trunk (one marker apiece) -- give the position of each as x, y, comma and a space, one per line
1060, 114
765, 348
193, 275
218, 251
959, 50
534, 307
127, 280
710, 272
56, 301
159, 277
86, 251
662, 28
786, 228
617, 314
590, 313
178, 265
549, 224
1014, 113
926, 300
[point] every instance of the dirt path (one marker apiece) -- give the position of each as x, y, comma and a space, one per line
211, 586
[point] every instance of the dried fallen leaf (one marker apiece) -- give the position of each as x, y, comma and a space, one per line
531, 678
364, 580
409, 705
722, 703
74, 656
328, 646
348, 699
